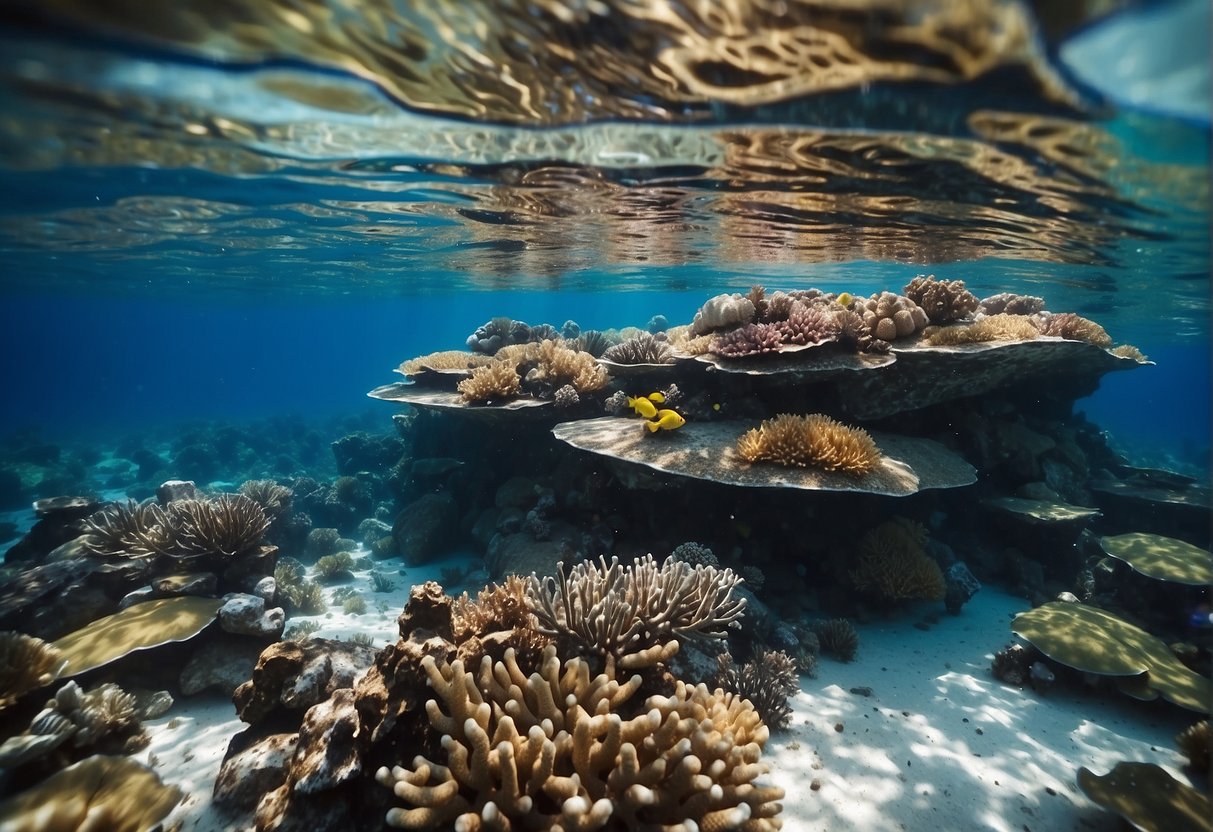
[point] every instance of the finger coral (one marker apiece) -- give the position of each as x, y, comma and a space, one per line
892, 563
644, 348
635, 615
1000, 327
944, 301
563, 751
493, 382
1074, 328
26, 664
812, 440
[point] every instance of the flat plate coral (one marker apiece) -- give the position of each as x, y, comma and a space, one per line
447, 401
705, 451
819, 362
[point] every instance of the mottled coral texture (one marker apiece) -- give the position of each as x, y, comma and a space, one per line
497, 381
644, 348
944, 301
814, 440
558, 365
1074, 328
888, 316
1000, 327
892, 563
561, 750
444, 360
26, 664
767, 681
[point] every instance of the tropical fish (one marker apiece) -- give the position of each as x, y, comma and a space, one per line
665, 420
643, 406
845, 299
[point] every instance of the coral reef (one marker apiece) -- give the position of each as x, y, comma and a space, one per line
747, 340
813, 440
644, 348
26, 664
555, 751
558, 365
1194, 743
443, 360
496, 381
1073, 328
695, 554
1012, 304
889, 316
944, 301
892, 563
721, 312
1000, 327
1130, 351
635, 615
274, 499
837, 637
767, 681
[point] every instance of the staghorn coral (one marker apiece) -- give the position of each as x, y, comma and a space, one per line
1193, 741
837, 637
767, 681
812, 440
227, 526
944, 301
1073, 328
275, 500
1130, 351
496, 381
642, 349
127, 530
892, 563
443, 360
558, 365
808, 325
1012, 304
1000, 327
722, 312
563, 751
26, 664
635, 615
750, 339
888, 316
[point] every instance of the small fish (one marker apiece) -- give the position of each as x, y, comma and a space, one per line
845, 299
665, 420
657, 398
643, 406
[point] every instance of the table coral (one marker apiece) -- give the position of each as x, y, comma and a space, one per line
563, 751
813, 440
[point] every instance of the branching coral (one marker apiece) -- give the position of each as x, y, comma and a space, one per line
227, 526
1073, 328
497, 607
807, 325
26, 664
635, 615
944, 301
564, 751
837, 637
888, 316
695, 554
812, 440
274, 499
496, 381
751, 339
1001, 327
558, 365
642, 349
1012, 304
892, 563
126, 530
443, 360
767, 681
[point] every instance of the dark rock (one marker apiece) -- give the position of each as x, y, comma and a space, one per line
251, 772
292, 677
364, 452
52, 600
247, 615
66, 509
426, 527
862, 690
328, 754
516, 492
222, 664
321, 542
522, 554
961, 585
60, 521
370, 531
198, 583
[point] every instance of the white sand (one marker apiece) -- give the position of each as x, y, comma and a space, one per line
940, 745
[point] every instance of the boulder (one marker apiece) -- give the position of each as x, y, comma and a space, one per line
426, 527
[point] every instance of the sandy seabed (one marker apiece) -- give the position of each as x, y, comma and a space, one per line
939, 744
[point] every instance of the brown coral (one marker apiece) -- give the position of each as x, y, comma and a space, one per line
126, 530
1130, 351
1012, 304
767, 681
496, 381
1001, 327
837, 637
1194, 742
26, 664
888, 316
944, 301
561, 750
813, 440
227, 526
443, 360
893, 564
1074, 328
558, 365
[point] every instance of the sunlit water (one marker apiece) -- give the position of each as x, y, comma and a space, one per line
224, 214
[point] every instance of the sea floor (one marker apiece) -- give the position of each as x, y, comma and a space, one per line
937, 743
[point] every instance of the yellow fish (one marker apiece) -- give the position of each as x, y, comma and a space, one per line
642, 406
845, 299
666, 420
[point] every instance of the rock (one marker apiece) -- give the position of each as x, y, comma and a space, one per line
137, 596
371, 531
60, 520
294, 676
198, 583
862, 690
516, 492
266, 589
222, 664
251, 772
426, 527
961, 585
327, 755
364, 452
65, 509
246, 615
174, 490
522, 554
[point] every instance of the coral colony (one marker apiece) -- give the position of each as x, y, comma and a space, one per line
613, 673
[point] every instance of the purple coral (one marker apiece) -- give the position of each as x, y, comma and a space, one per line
809, 325
751, 339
